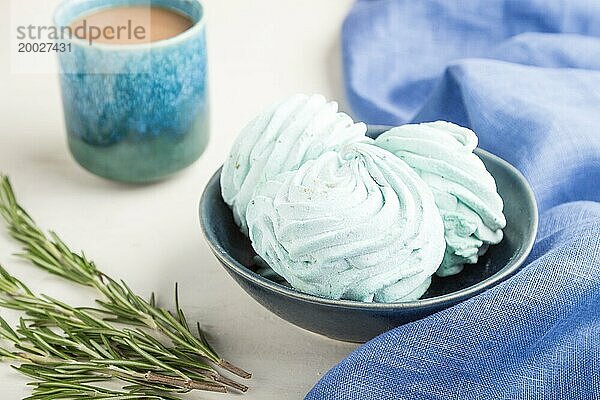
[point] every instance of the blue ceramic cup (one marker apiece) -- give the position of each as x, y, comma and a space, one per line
135, 112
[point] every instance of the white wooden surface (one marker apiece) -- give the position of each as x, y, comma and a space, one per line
260, 51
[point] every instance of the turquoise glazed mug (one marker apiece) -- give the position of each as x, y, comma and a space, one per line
135, 112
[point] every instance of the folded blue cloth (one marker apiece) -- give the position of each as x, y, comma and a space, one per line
525, 76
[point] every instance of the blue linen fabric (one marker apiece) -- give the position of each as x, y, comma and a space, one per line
525, 76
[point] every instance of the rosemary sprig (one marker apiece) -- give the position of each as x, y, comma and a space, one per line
62, 379
121, 303
68, 350
83, 348
57, 389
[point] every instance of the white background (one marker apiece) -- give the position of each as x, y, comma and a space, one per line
260, 51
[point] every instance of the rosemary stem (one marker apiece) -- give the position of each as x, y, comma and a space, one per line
184, 384
226, 365
229, 382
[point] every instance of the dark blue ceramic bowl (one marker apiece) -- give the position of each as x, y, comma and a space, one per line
358, 322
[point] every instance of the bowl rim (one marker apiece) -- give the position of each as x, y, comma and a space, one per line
233, 265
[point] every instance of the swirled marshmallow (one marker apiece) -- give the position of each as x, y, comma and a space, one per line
356, 224
464, 191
